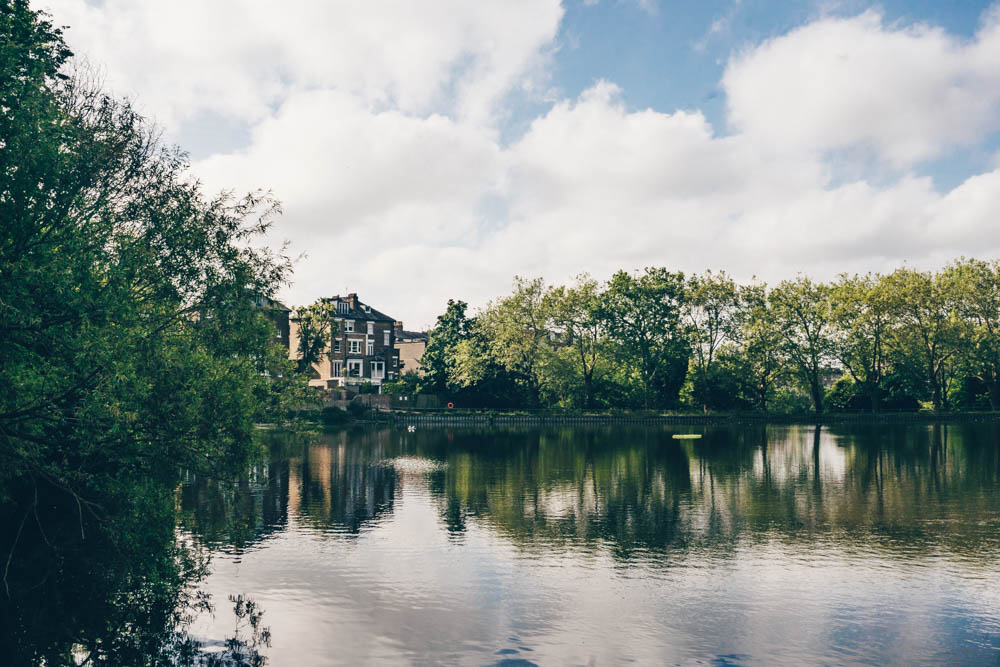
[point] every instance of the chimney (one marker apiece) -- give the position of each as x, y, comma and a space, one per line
352, 299
398, 326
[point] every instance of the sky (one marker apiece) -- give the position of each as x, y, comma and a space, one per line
431, 150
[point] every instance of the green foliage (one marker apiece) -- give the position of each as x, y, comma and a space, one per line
316, 329
407, 384
656, 340
132, 343
643, 315
802, 310
438, 359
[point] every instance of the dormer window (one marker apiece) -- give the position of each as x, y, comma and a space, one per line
343, 307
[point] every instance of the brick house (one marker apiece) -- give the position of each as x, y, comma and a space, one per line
362, 347
279, 314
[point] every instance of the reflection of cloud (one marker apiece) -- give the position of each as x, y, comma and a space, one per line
833, 541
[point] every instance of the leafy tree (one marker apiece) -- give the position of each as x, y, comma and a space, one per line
317, 327
802, 311
975, 285
711, 312
643, 315
453, 326
516, 333
861, 322
927, 331
575, 313
132, 345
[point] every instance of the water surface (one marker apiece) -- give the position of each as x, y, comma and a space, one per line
764, 545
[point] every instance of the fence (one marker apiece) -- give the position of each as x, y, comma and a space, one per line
471, 417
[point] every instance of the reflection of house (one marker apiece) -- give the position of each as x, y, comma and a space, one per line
410, 346
362, 348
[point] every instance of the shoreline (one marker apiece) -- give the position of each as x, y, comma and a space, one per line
521, 417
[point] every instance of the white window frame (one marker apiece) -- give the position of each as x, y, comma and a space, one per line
336, 345
378, 369
354, 346
338, 368
348, 325
371, 328
370, 347
355, 363
395, 362
343, 307
385, 338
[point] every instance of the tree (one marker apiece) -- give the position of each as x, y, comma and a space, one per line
802, 311
132, 345
927, 329
861, 321
437, 361
316, 330
643, 315
576, 319
975, 286
516, 334
761, 345
711, 312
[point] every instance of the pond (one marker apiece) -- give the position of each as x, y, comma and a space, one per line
760, 545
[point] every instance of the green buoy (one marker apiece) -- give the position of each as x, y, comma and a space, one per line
686, 436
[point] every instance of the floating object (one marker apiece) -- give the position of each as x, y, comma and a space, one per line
686, 436
451, 405
411, 429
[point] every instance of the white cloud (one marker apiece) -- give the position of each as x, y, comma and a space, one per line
239, 58
377, 128
906, 93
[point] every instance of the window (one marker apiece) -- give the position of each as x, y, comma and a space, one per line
371, 348
371, 328
343, 307
385, 340
354, 346
395, 362
338, 369
336, 345
354, 368
348, 325
378, 370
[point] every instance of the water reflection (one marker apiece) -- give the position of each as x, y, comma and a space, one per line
563, 545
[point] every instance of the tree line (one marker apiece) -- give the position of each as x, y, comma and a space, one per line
657, 339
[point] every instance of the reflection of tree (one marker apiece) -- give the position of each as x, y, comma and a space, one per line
898, 489
241, 512
110, 591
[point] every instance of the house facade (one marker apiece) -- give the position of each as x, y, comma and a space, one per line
362, 347
410, 345
279, 314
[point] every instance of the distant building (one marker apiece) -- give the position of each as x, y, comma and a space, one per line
362, 348
278, 313
410, 346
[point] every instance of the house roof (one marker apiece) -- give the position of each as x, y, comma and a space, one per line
361, 311
410, 336
265, 302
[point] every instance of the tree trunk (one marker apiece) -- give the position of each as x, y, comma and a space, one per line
817, 393
994, 391
935, 390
